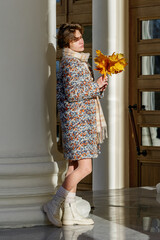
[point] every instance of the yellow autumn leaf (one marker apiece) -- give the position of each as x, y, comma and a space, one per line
112, 64
119, 66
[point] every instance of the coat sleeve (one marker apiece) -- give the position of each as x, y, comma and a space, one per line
77, 85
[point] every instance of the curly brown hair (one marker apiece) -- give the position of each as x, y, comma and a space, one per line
66, 34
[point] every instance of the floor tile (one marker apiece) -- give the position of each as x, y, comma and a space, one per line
125, 214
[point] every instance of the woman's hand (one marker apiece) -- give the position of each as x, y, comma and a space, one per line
104, 88
102, 82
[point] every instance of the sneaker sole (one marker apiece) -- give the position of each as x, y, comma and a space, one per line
76, 222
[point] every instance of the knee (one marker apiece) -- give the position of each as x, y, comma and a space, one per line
69, 172
87, 170
85, 166
71, 167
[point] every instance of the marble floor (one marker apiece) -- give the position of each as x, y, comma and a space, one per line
126, 214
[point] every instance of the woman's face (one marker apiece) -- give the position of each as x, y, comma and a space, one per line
78, 44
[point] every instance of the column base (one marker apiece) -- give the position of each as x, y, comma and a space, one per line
25, 185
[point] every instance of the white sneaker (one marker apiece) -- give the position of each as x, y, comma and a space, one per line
72, 217
83, 206
54, 211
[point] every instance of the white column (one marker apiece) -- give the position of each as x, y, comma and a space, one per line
51, 89
28, 176
110, 34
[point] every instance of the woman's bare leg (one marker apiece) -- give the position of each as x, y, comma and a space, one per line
72, 165
83, 169
71, 215
76, 172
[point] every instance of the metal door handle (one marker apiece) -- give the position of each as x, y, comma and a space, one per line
144, 152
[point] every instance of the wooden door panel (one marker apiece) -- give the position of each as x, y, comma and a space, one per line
151, 84
144, 170
152, 153
80, 11
143, 3
61, 12
148, 119
149, 173
152, 48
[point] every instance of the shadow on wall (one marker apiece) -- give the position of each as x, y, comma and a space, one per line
51, 111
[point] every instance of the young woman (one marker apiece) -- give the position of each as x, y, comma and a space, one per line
81, 117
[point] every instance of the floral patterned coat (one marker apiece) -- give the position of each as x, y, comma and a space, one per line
76, 93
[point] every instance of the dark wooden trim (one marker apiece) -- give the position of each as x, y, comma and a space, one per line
143, 3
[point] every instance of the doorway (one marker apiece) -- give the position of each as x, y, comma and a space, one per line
144, 92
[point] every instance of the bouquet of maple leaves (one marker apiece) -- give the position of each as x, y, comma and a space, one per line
112, 64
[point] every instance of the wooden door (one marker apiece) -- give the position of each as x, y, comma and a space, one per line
144, 91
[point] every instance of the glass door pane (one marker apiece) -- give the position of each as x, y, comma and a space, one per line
150, 65
150, 29
150, 100
150, 136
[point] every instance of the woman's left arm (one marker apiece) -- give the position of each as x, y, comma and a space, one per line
77, 86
